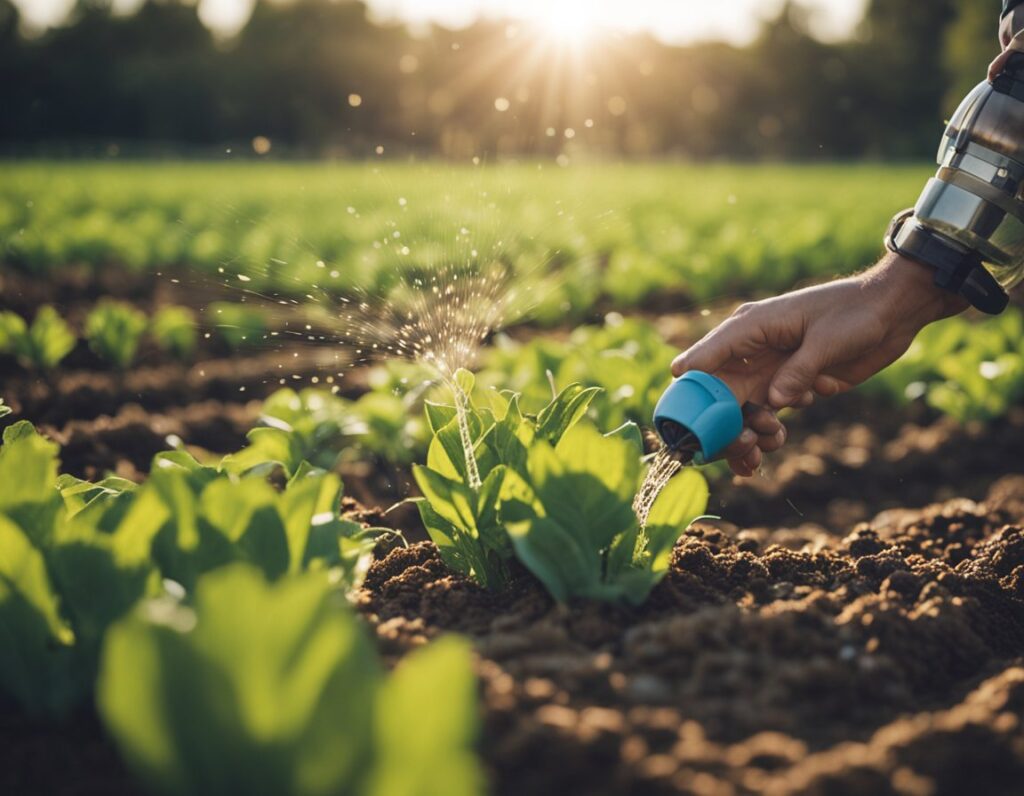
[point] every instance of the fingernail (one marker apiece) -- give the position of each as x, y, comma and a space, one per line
778, 399
748, 436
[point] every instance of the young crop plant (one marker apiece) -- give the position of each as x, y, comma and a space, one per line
114, 330
40, 346
238, 325
965, 369
628, 359
75, 556
311, 426
556, 493
174, 330
276, 689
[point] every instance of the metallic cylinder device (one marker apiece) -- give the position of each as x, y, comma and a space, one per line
977, 196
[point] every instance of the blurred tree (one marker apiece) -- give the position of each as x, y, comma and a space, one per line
901, 64
320, 76
971, 44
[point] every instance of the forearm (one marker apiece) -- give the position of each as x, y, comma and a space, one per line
904, 288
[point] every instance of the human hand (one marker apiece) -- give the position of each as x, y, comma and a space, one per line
821, 340
1011, 39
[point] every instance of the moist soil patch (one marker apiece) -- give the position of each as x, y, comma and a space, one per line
887, 661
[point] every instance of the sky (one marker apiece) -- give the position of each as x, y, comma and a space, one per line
677, 21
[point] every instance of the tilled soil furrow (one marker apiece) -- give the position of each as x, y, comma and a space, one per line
885, 662
88, 395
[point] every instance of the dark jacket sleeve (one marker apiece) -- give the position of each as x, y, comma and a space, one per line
1009, 5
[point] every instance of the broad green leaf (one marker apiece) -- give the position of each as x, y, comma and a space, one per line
586, 485
438, 415
453, 500
19, 430
305, 499
28, 467
36, 642
78, 494
564, 412
261, 690
268, 448
555, 557
426, 725
97, 581
246, 514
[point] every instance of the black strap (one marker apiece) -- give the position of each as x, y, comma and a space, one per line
957, 269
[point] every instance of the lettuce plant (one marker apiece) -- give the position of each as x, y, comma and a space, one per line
237, 324
40, 346
556, 493
114, 330
309, 426
276, 689
75, 556
174, 331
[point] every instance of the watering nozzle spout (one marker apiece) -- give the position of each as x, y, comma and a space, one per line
698, 416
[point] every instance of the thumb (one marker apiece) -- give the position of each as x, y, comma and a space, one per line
797, 376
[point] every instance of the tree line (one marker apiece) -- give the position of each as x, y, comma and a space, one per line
319, 77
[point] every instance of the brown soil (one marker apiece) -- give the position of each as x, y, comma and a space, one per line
783, 653
885, 662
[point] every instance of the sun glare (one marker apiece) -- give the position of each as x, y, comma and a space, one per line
567, 23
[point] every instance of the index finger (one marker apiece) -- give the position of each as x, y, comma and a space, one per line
712, 352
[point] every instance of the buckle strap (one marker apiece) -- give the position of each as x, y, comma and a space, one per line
957, 269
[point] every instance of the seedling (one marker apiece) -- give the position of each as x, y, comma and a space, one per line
174, 331
114, 330
40, 346
76, 556
237, 324
555, 493
276, 689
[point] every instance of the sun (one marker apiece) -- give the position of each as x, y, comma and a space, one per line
566, 23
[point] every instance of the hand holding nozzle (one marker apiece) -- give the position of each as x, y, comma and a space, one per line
823, 340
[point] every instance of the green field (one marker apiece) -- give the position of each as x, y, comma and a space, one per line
620, 233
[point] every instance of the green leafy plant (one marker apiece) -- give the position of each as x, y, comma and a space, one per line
555, 493
65, 575
4, 408
76, 555
114, 330
174, 331
309, 426
237, 324
42, 345
276, 689
578, 533
966, 369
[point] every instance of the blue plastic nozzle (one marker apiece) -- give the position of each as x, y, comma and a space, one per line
700, 405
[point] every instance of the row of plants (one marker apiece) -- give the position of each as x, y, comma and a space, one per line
205, 613
608, 234
514, 454
968, 369
115, 330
